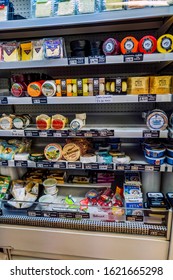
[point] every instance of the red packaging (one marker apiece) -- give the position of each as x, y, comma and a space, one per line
148, 44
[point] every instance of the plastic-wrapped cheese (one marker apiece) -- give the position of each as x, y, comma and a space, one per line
160, 85
58, 122
43, 122
157, 120
6, 123
165, 43
138, 85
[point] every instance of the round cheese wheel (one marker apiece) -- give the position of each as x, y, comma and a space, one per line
6, 123
111, 47
157, 120
53, 152
165, 43
129, 45
34, 89
58, 122
71, 152
43, 122
49, 88
148, 44
17, 90
76, 124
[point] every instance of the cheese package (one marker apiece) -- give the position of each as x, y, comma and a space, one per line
26, 51
48, 88
87, 84
4, 10
58, 122
6, 123
157, 120
65, 7
37, 49
138, 85
111, 47
98, 86
54, 48
11, 51
53, 152
71, 152
43, 122
165, 43
42, 8
109, 5
147, 44
115, 86
71, 87
161, 85
34, 89
129, 45
61, 87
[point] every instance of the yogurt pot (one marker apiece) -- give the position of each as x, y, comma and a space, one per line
50, 186
169, 152
50, 191
154, 152
155, 161
45, 201
169, 160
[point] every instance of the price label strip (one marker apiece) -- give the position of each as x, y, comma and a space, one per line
97, 59
19, 133
147, 98
134, 57
105, 166
19, 163
42, 100
76, 60
74, 165
151, 134
31, 133
4, 163
3, 100
103, 99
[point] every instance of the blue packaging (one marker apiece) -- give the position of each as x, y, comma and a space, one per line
155, 161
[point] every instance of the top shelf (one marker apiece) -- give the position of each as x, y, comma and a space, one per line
68, 24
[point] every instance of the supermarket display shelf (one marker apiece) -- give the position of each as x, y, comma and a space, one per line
89, 225
137, 165
88, 61
89, 186
86, 19
121, 131
98, 99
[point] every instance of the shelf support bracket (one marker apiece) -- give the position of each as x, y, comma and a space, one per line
165, 27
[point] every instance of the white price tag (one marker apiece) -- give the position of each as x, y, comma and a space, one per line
103, 99
43, 134
57, 134
19, 133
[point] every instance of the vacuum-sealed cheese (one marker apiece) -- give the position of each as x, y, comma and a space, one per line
138, 85
43, 122
160, 85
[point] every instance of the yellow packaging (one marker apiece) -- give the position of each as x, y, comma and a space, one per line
11, 51
87, 85
26, 51
71, 87
138, 85
61, 87
160, 85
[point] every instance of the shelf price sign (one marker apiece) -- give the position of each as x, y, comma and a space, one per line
103, 99
151, 134
96, 59
42, 100
76, 60
147, 98
133, 57
3, 100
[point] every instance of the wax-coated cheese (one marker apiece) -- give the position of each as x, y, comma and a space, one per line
129, 45
147, 44
165, 43
111, 47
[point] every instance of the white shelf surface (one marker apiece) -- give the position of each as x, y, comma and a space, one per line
122, 131
129, 98
86, 19
63, 62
